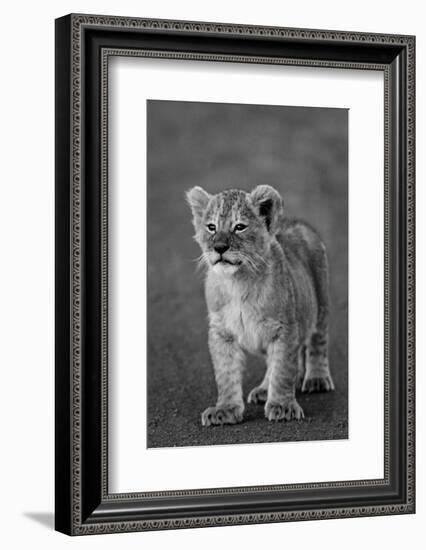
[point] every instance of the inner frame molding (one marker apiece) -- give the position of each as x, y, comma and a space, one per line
84, 43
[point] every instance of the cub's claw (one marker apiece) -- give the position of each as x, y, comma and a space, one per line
257, 395
288, 410
218, 416
318, 383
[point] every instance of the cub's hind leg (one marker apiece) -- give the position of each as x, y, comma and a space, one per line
301, 366
259, 394
317, 376
317, 373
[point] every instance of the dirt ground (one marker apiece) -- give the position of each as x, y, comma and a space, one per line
303, 152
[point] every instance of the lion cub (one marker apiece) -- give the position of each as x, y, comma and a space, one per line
267, 292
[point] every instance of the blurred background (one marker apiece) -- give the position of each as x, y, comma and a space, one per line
303, 153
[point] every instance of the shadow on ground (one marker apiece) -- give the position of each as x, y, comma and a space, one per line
47, 519
303, 153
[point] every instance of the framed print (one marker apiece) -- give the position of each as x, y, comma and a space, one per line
234, 274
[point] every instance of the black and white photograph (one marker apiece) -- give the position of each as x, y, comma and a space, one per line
247, 281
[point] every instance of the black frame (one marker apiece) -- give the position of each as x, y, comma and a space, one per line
83, 45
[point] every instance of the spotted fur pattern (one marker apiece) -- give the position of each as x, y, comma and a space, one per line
267, 293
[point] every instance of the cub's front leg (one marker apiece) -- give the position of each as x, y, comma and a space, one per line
228, 362
282, 362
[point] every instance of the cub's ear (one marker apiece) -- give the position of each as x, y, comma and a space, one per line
198, 199
269, 205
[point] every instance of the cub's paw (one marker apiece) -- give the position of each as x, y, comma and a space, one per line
288, 410
317, 383
257, 395
223, 414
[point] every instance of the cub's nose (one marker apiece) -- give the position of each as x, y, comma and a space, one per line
221, 248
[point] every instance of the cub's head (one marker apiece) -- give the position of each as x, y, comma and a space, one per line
234, 229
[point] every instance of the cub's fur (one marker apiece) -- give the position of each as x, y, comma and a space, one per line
267, 292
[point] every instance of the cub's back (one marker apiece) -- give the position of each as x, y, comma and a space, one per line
298, 238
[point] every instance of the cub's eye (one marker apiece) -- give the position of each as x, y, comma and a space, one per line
211, 227
240, 227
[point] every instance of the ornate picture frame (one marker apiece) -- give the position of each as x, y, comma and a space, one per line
84, 44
